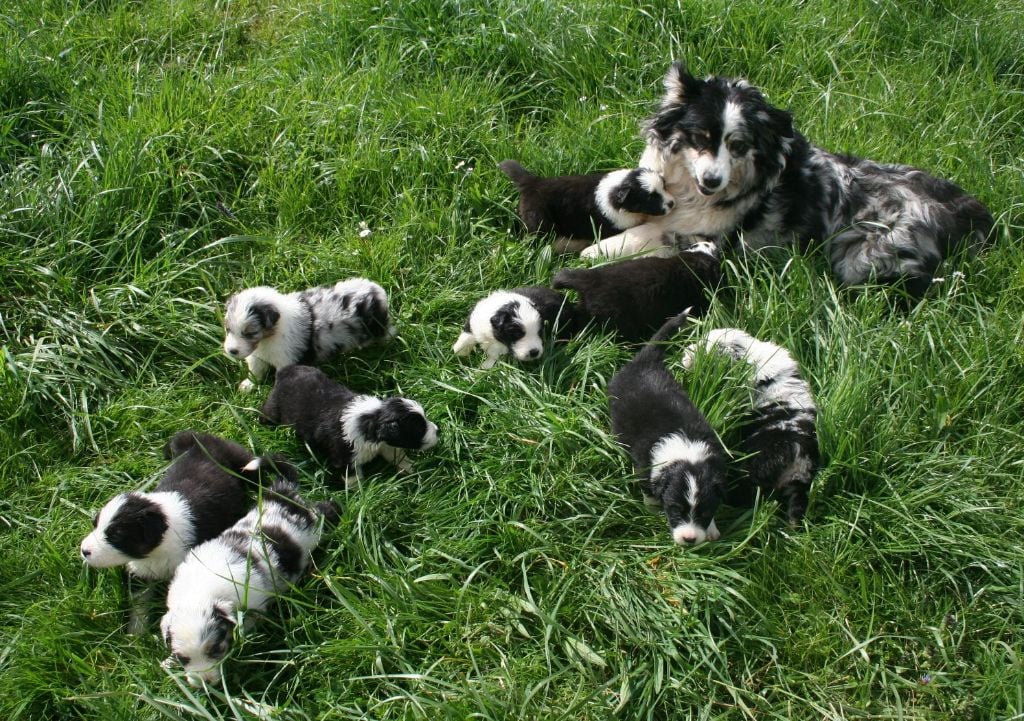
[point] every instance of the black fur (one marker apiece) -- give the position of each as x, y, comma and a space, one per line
648, 404
635, 297
138, 527
567, 204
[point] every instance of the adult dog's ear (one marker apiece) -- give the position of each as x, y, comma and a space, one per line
680, 86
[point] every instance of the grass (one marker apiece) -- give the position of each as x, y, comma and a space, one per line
157, 156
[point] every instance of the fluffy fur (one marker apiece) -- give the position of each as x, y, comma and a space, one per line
779, 438
269, 329
514, 321
242, 569
203, 491
588, 206
636, 296
676, 453
348, 428
737, 167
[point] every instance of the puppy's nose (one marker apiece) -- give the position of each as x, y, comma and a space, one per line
534, 352
233, 351
85, 552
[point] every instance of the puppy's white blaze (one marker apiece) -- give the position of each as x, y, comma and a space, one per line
363, 450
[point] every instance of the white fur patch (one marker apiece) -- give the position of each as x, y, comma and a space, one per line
364, 450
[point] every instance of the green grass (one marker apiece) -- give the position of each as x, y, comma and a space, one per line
156, 156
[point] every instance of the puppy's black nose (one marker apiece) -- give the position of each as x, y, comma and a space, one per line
534, 353
86, 553
233, 351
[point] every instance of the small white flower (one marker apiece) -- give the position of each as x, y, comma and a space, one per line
364, 229
583, 98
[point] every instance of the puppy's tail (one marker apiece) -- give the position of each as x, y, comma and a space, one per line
516, 172
268, 470
654, 350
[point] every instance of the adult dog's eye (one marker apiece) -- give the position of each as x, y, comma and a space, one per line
675, 146
738, 147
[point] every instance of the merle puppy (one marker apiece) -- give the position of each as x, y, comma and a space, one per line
635, 297
204, 490
243, 569
587, 206
676, 453
351, 429
737, 167
269, 329
514, 321
779, 438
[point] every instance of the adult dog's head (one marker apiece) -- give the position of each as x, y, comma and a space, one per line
717, 135
249, 317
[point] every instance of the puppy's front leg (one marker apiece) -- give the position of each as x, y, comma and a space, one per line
396, 456
493, 352
643, 238
464, 345
257, 369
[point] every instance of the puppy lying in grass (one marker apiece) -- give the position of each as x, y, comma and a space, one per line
514, 321
675, 451
634, 297
779, 437
587, 206
243, 569
351, 429
269, 329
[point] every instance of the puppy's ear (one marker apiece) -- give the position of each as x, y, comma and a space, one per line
265, 313
224, 612
620, 196
680, 86
501, 319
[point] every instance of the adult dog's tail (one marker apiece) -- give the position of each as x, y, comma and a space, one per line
516, 172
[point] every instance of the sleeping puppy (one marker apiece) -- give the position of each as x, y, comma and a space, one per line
778, 436
676, 453
588, 206
514, 321
202, 492
349, 428
269, 329
634, 297
242, 569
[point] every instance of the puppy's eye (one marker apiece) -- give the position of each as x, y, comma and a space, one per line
218, 650
250, 335
182, 659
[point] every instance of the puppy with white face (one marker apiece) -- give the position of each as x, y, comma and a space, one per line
269, 329
202, 492
350, 429
634, 297
779, 436
243, 569
676, 453
514, 321
591, 205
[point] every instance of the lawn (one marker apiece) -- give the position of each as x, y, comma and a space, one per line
157, 156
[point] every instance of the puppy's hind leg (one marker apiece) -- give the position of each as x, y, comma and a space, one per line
464, 345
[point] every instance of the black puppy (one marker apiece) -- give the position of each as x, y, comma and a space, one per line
634, 297
588, 206
350, 429
680, 461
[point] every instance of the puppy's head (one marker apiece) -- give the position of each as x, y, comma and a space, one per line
199, 637
642, 191
718, 134
129, 527
689, 487
249, 317
401, 423
518, 326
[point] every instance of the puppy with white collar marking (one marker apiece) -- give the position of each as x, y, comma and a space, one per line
349, 428
634, 297
513, 321
676, 453
269, 329
204, 490
588, 206
244, 568
779, 436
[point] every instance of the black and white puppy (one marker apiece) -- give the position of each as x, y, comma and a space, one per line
242, 569
676, 453
779, 438
351, 429
514, 321
588, 206
634, 297
737, 167
205, 489
269, 329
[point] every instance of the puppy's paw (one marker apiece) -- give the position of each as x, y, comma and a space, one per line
488, 362
591, 252
168, 663
713, 532
246, 386
688, 356
464, 345
404, 466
